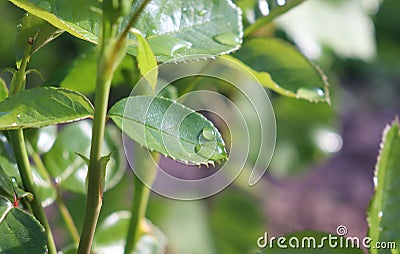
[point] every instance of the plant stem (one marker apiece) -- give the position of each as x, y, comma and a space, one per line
21, 155
95, 181
18, 143
148, 164
68, 220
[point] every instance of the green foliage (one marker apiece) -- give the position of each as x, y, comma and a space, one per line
35, 31
207, 28
169, 128
290, 73
50, 106
20, 232
383, 210
69, 170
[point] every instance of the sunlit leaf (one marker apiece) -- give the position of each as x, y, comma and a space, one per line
174, 29
146, 61
382, 213
35, 31
50, 106
69, 169
292, 74
20, 232
170, 128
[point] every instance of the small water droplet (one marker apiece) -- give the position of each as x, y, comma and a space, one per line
208, 133
184, 9
201, 12
229, 39
380, 214
179, 47
58, 180
14, 124
13, 179
310, 93
45, 5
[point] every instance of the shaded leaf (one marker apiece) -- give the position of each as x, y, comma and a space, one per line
169, 128
35, 31
50, 106
173, 29
382, 213
20, 232
313, 242
87, 63
292, 74
6, 184
69, 169
111, 236
146, 61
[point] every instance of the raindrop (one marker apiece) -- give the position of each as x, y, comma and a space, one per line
208, 133
182, 45
380, 214
264, 7
281, 2
184, 9
201, 12
310, 93
13, 179
229, 39
14, 124
58, 180
45, 5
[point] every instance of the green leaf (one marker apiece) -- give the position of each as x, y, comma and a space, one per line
45, 189
6, 184
69, 169
292, 74
36, 31
20, 232
111, 236
147, 62
169, 128
318, 241
174, 29
384, 206
43, 106
87, 63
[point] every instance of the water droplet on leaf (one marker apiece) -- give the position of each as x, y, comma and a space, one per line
229, 39
208, 133
45, 5
311, 93
201, 12
179, 47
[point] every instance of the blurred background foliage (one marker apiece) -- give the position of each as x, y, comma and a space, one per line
324, 155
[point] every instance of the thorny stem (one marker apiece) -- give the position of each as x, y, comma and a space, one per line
21, 155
